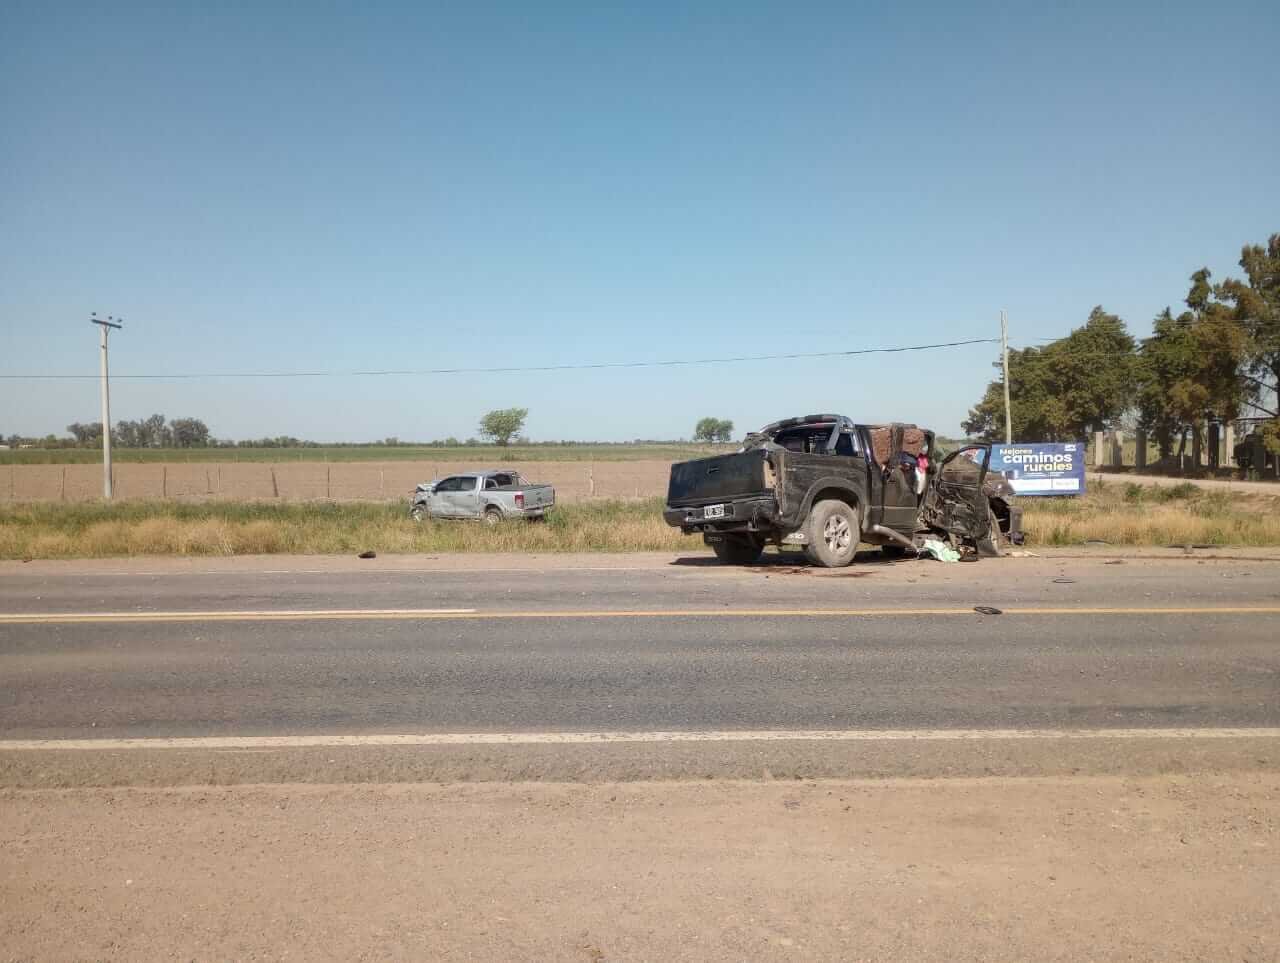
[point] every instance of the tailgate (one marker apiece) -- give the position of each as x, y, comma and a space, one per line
539, 496
721, 478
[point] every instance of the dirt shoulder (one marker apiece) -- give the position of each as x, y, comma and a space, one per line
1168, 867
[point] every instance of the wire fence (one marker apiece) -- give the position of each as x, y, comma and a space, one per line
308, 481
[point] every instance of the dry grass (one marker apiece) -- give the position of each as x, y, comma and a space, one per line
254, 528
1115, 513
1129, 514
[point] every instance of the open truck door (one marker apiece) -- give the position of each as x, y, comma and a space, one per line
956, 501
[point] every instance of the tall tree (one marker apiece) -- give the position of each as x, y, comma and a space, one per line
1060, 392
713, 429
1193, 367
502, 424
1255, 304
152, 432
1169, 396
86, 435
128, 434
189, 433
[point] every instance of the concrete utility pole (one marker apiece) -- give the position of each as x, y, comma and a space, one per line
105, 327
1004, 356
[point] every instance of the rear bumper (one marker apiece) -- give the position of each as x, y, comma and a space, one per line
536, 512
741, 515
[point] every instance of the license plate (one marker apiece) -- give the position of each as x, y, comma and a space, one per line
713, 511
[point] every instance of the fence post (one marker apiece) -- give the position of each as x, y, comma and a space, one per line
591, 481
382, 483
164, 481
1229, 444
1215, 446
328, 483
1197, 448
275, 487
1140, 449
1117, 449
62, 493
1099, 449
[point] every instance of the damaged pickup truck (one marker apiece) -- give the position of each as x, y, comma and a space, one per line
825, 483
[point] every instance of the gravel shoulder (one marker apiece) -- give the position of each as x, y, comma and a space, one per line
1167, 867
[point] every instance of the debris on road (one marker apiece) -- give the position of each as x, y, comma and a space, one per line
988, 610
367, 555
941, 551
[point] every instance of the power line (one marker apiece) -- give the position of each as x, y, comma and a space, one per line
681, 362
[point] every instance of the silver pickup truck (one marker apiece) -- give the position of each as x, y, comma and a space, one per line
489, 496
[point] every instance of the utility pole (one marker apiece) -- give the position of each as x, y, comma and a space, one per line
1004, 356
105, 327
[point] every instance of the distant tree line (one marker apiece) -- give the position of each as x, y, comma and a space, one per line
1218, 360
153, 432
501, 427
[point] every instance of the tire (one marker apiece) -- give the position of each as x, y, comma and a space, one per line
738, 549
834, 533
419, 513
492, 516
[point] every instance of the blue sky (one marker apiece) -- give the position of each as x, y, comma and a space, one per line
285, 187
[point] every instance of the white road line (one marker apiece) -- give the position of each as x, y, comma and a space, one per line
304, 615
263, 615
612, 738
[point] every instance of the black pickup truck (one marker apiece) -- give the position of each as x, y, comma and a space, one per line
826, 483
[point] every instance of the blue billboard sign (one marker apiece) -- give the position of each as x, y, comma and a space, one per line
1041, 469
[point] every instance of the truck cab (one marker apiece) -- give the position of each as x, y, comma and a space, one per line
826, 483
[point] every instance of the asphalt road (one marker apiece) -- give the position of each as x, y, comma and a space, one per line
640, 673
646, 644
599, 758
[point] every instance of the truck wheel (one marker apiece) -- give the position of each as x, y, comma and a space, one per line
492, 516
833, 533
419, 513
738, 549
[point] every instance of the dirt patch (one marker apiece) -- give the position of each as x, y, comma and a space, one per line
1156, 868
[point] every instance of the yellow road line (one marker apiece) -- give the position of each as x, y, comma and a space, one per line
333, 741
364, 615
